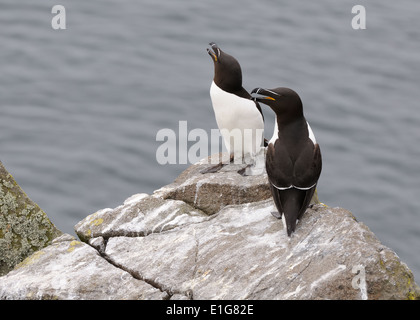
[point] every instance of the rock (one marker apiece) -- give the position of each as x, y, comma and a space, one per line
70, 269
213, 191
139, 216
244, 253
24, 227
176, 244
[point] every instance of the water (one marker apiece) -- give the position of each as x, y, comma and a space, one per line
80, 108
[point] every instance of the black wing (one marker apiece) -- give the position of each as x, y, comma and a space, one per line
293, 184
308, 166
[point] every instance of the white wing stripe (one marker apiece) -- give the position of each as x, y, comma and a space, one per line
292, 186
311, 134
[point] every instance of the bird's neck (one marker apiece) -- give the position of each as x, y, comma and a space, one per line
290, 130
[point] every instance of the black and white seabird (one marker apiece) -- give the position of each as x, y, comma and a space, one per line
238, 116
293, 159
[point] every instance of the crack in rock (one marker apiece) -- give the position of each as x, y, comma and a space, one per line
100, 243
152, 282
149, 215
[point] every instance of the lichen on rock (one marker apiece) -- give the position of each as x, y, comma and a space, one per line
24, 227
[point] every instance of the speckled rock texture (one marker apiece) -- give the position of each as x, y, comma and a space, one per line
157, 247
69, 269
213, 191
24, 227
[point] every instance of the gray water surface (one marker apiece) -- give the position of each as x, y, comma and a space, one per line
80, 108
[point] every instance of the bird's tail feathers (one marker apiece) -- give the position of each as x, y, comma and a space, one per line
292, 204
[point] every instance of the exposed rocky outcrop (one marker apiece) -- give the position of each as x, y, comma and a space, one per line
24, 227
212, 237
212, 192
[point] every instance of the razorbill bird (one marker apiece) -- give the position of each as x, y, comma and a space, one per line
293, 159
238, 116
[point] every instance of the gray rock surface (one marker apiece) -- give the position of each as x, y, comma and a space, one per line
70, 269
213, 191
24, 227
139, 216
177, 244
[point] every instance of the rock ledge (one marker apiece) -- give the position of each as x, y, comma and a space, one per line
212, 237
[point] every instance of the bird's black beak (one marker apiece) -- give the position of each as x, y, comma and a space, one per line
263, 95
214, 51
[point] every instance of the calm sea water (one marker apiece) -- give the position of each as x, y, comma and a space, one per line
80, 108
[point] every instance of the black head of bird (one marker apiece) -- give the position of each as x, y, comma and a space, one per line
285, 102
227, 70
